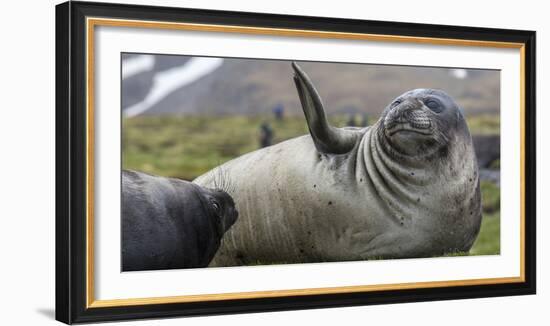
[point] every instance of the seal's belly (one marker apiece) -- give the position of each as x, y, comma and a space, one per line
296, 212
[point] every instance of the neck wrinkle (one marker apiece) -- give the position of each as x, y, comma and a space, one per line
391, 177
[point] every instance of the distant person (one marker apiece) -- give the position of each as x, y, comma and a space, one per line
351, 121
364, 120
279, 111
266, 135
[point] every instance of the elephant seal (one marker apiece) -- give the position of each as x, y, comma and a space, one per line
406, 186
169, 223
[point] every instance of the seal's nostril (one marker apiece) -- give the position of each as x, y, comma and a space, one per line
408, 113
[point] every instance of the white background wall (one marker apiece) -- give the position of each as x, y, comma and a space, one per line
27, 162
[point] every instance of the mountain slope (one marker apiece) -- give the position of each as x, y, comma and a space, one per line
248, 86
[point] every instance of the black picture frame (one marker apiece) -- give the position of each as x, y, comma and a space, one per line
71, 157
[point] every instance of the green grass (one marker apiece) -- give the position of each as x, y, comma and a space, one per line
188, 146
488, 240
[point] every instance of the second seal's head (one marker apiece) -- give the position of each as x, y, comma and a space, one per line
420, 122
221, 208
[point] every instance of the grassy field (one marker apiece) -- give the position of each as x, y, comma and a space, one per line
186, 147
488, 240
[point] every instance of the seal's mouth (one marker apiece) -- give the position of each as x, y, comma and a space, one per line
422, 128
407, 119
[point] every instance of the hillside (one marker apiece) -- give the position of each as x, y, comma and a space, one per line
250, 87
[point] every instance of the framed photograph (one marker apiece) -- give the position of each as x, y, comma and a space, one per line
213, 162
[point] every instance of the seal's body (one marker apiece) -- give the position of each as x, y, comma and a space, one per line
405, 187
170, 223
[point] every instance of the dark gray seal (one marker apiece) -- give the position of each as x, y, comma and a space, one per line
407, 186
169, 223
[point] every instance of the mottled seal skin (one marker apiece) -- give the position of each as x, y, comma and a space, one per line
406, 186
170, 223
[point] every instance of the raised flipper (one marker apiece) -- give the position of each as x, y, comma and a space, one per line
327, 139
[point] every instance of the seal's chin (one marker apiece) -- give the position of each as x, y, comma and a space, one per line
408, 139
232, 217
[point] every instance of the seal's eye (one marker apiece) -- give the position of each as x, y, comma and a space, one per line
434, 105
396, 103
216, 206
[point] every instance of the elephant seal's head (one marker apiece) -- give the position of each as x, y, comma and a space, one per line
219, 204
220, 208
421, 123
